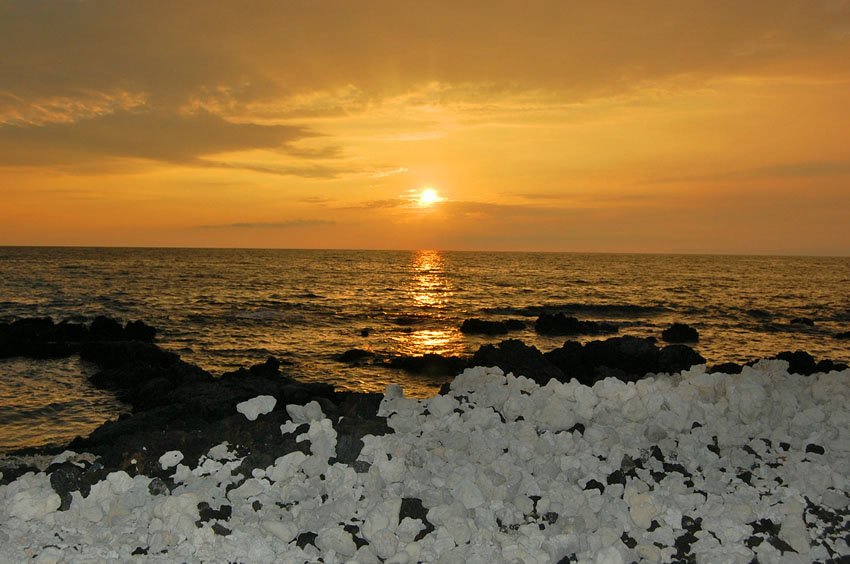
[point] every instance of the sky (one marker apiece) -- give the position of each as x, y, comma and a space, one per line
599, 126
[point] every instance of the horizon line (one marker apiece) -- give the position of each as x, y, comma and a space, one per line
410, 250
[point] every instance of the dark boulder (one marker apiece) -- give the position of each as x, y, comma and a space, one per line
355, 356
569, 359
144, 385
725, 368
269, 369
680, 333
801, 362
35, 337
112, 354
675, 358
40, 337
408, 320
634, 355
152, 392
139, 331
520, 359
561, 324
105, 329
483, 327
430, 364
803, 321
129, 377
32, 329
71, 332
10, 473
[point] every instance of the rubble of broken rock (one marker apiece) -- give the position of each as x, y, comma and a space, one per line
687, 467
560, 463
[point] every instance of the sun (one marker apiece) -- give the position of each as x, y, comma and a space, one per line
428, 197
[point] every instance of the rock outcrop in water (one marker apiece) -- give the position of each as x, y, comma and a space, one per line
562, 324
680, 333
476, 326
41, 337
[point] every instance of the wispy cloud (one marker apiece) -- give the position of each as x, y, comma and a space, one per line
790, 170
157, 136
290, 224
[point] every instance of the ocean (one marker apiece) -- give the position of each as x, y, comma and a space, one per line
224, 308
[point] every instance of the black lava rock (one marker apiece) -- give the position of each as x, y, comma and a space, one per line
431, 364
355, 356
106, 329
113, 354
675, 358
483, 327
814, 448
412, 507
139, 331
725, 368
680, 333
562, 324
801, 362
633, 355
517, 357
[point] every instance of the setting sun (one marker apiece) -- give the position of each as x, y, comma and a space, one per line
428, 197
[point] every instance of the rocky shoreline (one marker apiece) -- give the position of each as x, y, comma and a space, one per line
180, 408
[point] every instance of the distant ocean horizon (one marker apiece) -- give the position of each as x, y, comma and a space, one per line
441, 250
224, 308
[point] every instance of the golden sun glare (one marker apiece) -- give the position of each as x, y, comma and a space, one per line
428, 197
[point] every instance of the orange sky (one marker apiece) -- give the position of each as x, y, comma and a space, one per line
653, 126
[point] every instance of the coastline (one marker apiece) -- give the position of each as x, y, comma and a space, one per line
189, 458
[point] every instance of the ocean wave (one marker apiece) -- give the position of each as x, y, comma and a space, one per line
10, 416
624, 310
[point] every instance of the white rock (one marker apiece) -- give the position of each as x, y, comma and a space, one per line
285, 531
170, 458
609, 555
221, 452
34, 503
257, 406
384, 542
383, 516
468, 493
336, 539
305, 413
642, 509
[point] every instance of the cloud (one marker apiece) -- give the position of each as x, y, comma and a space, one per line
335, 57
388, 203
117, 79
790, 170
305, 171
155, 136
291, 224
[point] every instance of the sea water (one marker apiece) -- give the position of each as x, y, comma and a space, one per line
224, 308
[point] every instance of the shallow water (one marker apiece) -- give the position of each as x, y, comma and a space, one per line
50, 402
226, 308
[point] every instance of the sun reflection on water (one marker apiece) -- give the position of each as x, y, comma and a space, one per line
429, 288
430, 291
